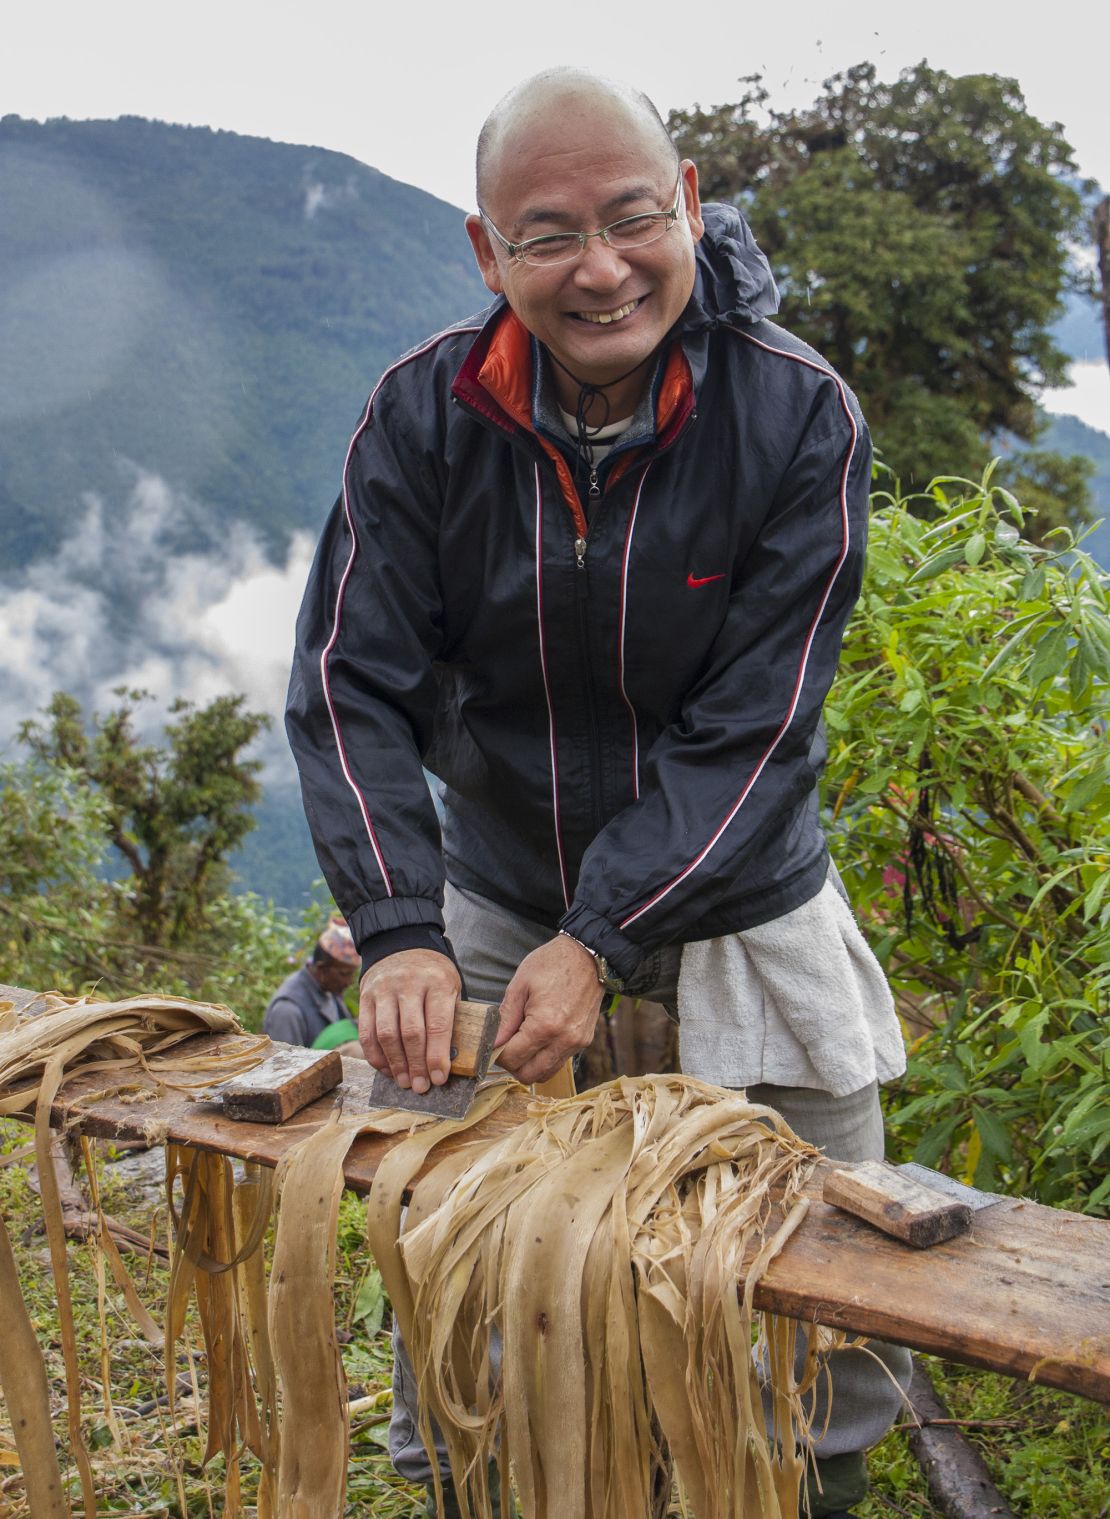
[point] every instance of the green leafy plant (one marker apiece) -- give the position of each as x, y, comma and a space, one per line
919, 230
969, 798
113, 858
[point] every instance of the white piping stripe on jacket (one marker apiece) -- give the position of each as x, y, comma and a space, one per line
330, 645
620, 655
547, 690
811, 634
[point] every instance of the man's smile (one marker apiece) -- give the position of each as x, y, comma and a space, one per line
604, 318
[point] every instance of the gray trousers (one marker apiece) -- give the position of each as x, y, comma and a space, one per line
490, 943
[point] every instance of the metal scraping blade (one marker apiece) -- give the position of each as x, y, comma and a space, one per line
472, 1036
451, 1100
949, 1186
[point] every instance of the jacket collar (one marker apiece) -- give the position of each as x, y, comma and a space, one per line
496, 378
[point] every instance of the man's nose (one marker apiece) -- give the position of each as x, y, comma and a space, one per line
600, 267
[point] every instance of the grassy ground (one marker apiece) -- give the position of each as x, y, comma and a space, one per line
1049, 1453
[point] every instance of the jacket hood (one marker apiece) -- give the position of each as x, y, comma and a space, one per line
734, 282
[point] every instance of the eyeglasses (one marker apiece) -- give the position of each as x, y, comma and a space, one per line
561, 247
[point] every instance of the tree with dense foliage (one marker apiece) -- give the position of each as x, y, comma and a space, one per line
1101, 229
969, 790
919, 231
113, 856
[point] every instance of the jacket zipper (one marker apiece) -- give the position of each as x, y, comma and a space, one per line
583, 594
582, 588
582, 579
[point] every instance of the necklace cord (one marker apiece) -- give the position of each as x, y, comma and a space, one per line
588, 392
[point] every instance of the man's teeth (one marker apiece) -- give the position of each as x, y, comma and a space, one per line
604, 317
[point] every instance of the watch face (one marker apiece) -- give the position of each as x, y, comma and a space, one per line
608, 979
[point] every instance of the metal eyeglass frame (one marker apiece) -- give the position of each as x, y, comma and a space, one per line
519, 251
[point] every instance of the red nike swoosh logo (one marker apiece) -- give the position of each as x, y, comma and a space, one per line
693, 581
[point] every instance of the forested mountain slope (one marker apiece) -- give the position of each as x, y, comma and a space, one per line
208, 307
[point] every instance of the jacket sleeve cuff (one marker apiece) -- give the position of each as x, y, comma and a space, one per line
374, 918
591, 929
413, 936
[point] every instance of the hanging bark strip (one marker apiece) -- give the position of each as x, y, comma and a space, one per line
600, 1245
35, 1055
27, 1394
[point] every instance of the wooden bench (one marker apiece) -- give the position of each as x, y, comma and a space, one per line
1026, 1292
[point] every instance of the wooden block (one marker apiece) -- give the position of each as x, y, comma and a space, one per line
897, 1205
282, 1085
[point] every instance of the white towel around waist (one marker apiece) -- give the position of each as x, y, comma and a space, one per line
800, 1001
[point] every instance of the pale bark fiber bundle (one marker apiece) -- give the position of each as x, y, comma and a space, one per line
35, 1054
218, 1255
604, 1239
599, 1244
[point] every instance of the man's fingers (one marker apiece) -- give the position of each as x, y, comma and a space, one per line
519, 1050
387, 1018
532, 1063
371, 1020
406, 1013
439, 1021
538, 1069
412, 1067
512, 1014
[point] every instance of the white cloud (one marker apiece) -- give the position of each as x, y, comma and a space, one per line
1088, 397
112, 608
321, 197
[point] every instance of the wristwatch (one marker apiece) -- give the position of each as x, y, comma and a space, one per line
605, 975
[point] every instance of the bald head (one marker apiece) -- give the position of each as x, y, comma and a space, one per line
564, 95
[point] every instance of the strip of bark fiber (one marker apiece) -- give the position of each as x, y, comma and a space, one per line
957, 1480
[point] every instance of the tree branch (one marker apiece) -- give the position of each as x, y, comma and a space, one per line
1042, 803
954, 855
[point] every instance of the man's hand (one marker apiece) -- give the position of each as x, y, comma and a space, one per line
406, 1011
549, 1010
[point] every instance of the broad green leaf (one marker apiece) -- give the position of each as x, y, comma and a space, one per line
1093, 899
1095, 653
975, 548
1021, 629
1086, 789
937, 564
993, 1132
935, 1141
370, 1303
1048, 657
1032, 586
1079, 677
1037, 1053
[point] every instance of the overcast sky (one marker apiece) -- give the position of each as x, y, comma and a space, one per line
405, 87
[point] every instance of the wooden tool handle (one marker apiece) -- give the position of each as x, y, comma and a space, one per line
472, 1037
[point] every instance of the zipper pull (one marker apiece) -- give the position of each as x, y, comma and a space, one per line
580, 553
595, 488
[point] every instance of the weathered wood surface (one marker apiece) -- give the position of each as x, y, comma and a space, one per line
896, 1204
1025, 1291
282, 1085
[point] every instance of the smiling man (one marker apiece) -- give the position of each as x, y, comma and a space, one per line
591, 565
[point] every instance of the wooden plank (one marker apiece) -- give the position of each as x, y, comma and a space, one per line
1025, 1291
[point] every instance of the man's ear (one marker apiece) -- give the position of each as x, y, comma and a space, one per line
693, 203
482, 244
